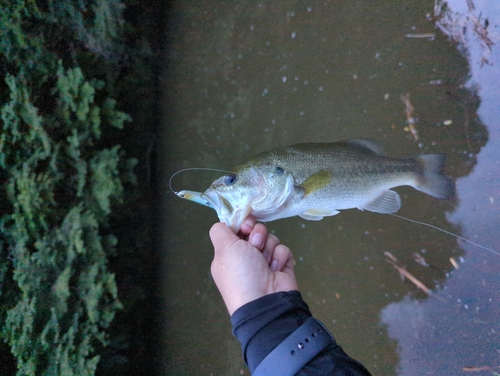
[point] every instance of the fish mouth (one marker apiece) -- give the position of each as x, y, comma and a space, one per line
229, 213
218, 202
213, 200
232, 216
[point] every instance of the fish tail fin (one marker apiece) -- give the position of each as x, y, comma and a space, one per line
431, 179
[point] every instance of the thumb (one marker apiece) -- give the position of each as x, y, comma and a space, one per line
222, 237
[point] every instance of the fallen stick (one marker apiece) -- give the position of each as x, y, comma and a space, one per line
406, 274
479, 369
431, 36
409, 118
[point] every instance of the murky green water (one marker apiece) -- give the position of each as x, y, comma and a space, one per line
244, 77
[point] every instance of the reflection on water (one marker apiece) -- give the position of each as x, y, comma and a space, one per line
462, 332
245, 77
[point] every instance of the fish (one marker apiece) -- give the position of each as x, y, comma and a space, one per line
317, 180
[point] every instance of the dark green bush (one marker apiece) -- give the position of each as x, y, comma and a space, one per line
61, 176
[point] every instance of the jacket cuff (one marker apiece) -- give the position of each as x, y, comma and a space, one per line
264, 323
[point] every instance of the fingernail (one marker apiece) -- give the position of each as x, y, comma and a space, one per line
274, 265
257, 241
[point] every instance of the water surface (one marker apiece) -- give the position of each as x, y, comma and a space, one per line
244, 77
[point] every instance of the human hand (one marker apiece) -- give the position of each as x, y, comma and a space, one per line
251, 265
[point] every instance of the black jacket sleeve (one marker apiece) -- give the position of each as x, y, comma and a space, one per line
264, 323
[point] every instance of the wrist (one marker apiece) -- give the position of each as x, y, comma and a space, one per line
234, 301
263, 323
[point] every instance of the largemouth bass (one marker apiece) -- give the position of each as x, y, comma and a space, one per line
316, 180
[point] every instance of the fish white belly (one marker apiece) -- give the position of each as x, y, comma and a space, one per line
319, 205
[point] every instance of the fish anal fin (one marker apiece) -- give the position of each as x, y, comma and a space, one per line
317, 181
385, 203
317, 214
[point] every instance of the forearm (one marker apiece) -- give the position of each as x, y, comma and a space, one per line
263, 324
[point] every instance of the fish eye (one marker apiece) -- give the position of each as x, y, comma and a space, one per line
279, 170
230, 179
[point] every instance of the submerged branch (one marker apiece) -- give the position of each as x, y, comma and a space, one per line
406, 274
409, 116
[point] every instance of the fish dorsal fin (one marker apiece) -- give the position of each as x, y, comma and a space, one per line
387, 202
366, 145
317, 181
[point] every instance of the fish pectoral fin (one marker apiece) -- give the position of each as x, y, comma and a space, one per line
387, 202
317, 214
317, 181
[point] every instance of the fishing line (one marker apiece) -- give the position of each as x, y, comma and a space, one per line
194, 169
446, 232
